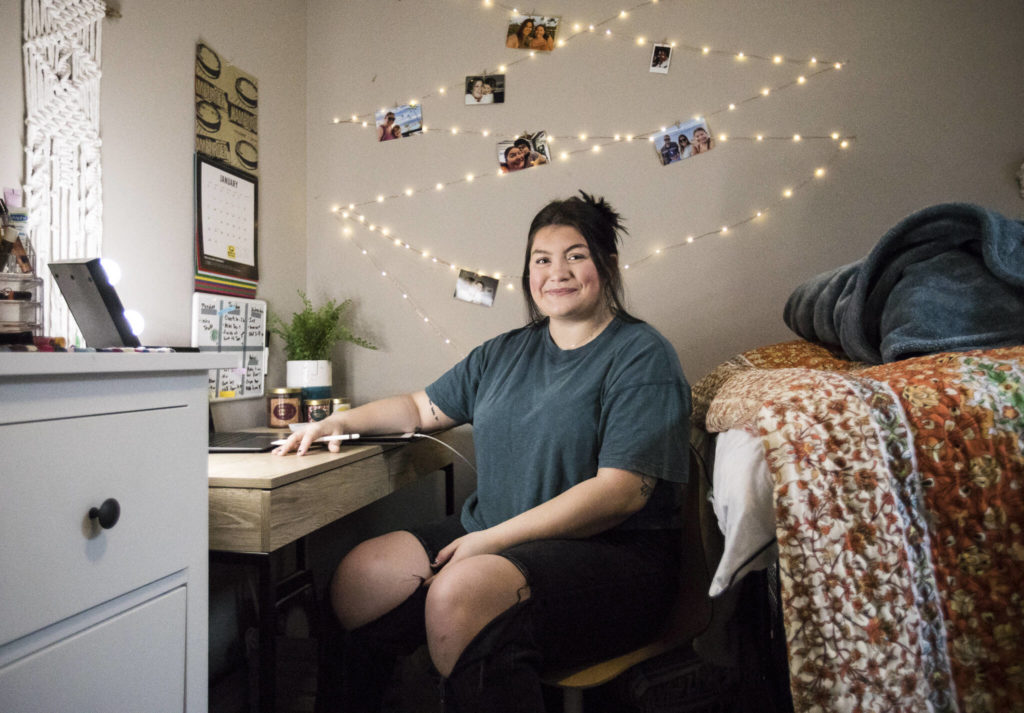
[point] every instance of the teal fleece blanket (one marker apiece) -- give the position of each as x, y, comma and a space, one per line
947, 278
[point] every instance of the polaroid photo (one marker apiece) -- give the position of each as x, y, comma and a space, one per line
661, 57
525, 151
476, 289
532, 32
485, 89
683, 140
399, 122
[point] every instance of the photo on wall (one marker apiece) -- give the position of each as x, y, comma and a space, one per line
661, 58
685, 139
476, 289
525, 151
485, 89
399, 122
532, 32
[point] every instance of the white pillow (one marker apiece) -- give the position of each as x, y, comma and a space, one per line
743, 502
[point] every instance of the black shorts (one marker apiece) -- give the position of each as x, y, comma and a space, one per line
591, 598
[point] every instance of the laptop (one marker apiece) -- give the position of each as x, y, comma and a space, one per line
241, 441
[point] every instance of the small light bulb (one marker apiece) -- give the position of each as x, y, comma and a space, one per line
777, 59
439, 186
843, 144
135, 320
112, 269
801, 79
455, 130
705, 50
760, 137
623, 15
337, 120
820, 172
380, 199
397, 242
835, 135
502, 68
640, 40
788, 193
408, 191
725, 229
765, 92
689, 238
796, 137
470, 177
732, 107
740, 55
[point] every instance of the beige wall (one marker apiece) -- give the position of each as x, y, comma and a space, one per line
147, 120
932, 91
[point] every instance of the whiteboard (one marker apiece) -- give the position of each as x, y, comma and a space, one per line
232, 325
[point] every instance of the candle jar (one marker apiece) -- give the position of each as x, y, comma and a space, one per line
283, 407
317, 409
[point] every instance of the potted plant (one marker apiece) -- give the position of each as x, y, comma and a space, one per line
308, 340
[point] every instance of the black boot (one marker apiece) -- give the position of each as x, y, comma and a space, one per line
499, 671
356, 667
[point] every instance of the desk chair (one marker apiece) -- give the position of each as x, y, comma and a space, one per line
692, 613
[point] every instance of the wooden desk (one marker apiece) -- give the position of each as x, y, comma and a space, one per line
260, 502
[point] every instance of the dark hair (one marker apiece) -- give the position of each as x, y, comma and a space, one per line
522, 24
602, 228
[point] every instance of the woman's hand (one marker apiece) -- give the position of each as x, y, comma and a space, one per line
481, 542
300, 441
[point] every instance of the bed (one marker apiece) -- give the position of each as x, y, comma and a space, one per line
891, 496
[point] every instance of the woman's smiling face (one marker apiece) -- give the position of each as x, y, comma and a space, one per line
564, 281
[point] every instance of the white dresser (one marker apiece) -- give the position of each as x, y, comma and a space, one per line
112, 616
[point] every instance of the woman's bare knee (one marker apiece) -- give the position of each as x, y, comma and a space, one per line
377, 576
463, 598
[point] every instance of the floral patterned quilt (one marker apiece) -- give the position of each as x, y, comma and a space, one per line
899, 502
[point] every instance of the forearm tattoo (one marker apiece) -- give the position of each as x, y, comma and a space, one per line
433, 410
647, 484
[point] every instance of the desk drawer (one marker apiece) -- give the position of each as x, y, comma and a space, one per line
132, 662
57, 562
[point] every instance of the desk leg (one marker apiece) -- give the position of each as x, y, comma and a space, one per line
449, 489
266, 624
267, 635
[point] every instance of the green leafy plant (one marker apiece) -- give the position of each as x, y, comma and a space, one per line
312, 332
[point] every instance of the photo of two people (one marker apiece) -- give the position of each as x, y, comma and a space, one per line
525, 151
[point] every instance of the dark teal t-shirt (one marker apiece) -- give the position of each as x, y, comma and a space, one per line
545, 419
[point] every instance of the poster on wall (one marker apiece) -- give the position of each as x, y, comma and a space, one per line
227, 167
226, 112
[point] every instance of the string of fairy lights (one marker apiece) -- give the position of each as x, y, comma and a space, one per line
352, 219
581, 29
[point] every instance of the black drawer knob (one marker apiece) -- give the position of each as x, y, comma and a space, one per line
107, 514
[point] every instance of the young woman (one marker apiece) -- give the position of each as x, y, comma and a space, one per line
567, 551
386, 131
520, 39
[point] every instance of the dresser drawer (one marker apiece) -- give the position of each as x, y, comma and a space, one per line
134, 661
55, 560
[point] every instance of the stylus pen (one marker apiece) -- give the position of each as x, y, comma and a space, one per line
323, 439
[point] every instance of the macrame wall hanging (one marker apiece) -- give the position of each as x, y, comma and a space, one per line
63, 194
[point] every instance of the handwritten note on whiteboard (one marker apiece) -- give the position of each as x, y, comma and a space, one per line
237, 326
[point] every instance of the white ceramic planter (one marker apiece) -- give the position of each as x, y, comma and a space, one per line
304, 374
